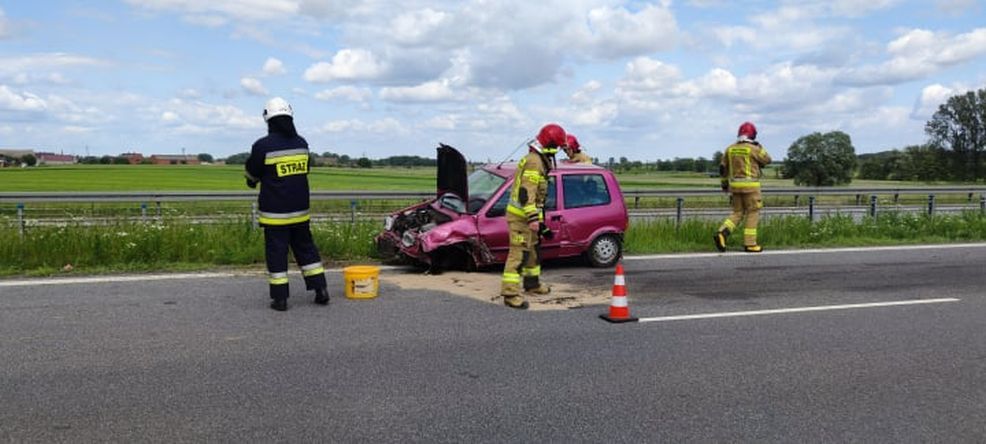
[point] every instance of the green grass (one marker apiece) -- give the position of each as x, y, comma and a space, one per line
200, 178
179, 245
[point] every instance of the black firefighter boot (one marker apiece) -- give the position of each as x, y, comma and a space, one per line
279, 304
322, 296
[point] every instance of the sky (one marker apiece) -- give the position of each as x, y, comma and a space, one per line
644, 80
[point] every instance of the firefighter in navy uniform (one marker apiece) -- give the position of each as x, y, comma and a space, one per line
279, 163
740, 170
525, 218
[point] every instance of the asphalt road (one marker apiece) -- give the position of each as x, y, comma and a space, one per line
204, 359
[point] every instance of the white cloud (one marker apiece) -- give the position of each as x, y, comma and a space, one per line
919, 53
207, 20
347, 64
246, 10
413, 28
647, 74
616, 32
273, 67
25, 101
44, 61
435, 91
447, 122
197, 117
253, 86
933, 96
345, 92
387, 125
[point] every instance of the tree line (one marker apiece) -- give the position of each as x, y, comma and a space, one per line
955, 151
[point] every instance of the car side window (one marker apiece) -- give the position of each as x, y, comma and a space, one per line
499, 208
585, 190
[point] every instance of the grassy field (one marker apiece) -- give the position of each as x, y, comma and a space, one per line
200, 178
178, 245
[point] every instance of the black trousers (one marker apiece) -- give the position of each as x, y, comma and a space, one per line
299, 238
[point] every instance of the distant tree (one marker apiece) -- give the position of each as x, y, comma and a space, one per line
344, 159
821, 159
119, 160
716, 160
363, 162
106, 160
610, 163
959, 127
237, 159
205, 157
925, 163
29, 160
702, 165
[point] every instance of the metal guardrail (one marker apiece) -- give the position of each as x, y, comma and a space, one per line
175, 196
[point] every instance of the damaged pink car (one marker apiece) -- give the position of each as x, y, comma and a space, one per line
465, 225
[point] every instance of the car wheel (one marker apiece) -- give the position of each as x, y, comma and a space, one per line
605, 250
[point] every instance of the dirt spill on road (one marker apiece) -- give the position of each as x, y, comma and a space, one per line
485, 286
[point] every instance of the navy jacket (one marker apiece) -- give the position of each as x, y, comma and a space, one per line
280, 164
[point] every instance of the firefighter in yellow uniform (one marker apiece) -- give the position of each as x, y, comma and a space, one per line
574, 151
525, 218
740, 170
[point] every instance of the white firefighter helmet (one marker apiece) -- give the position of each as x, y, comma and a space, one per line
277, 107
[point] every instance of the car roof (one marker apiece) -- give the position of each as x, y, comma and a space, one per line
507, 169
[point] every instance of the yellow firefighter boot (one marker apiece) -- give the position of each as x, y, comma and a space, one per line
753, 248
720, 239
515, 301
540, 289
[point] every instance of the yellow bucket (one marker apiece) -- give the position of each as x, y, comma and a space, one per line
361, 281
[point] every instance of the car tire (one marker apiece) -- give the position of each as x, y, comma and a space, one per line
605, 250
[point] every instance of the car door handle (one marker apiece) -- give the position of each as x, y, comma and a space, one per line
556, 217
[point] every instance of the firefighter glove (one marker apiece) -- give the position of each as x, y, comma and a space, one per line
545, 232
724, 184
251, 184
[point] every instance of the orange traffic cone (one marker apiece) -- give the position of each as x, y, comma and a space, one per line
619, 309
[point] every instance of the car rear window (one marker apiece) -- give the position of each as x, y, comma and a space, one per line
585, 190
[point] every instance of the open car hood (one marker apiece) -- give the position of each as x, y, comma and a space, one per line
452, 173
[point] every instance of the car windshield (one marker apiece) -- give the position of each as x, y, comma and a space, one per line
482, 185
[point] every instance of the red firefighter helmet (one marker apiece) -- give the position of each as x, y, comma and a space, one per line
551, 136
747, 129
572, 143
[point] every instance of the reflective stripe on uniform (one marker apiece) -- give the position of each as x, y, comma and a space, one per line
290, 155
749, 231
729, 224
279, 278
251, 176
511, 278
312, 269
743, 184
533, 176
532, 271
284, 218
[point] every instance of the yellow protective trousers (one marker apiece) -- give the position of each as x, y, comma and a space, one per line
746, 205
523, 259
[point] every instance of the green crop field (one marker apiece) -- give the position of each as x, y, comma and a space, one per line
200, 178
230, 178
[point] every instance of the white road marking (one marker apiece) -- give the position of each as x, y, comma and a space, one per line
109, 279
796, 310
786, 252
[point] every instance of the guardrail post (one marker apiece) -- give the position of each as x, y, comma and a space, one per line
896, 198
636, 202
254, 216
143, 211
158, 203
811, 208
858, 199
797, 200
873, 205
679, 204
931, 204
20, 219
982, 204
352, 210
970, 197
